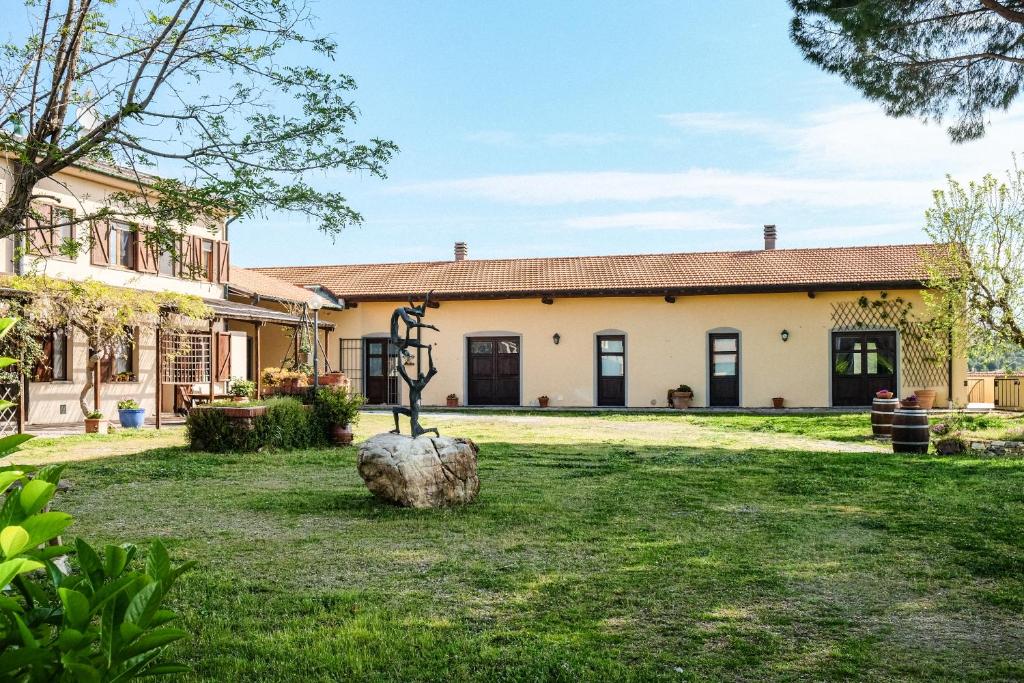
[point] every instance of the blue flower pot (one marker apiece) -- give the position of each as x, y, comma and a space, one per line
132, 419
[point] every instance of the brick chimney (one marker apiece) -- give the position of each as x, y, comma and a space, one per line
461, 251
769, 236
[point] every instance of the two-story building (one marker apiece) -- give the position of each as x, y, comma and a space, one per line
117, 255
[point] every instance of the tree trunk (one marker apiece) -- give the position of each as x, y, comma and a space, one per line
90, 382
14, 212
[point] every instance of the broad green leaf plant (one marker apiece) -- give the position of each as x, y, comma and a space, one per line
101, 622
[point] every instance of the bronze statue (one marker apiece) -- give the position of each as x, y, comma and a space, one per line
412, 316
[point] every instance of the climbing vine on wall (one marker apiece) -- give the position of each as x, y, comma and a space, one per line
924, 349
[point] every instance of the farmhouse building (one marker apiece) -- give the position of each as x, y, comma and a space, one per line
817, 327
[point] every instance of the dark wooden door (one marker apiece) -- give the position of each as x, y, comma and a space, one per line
611, 370
381, 384
724, 361
863, 363
493, 371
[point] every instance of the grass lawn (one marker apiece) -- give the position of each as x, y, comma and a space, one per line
601, 547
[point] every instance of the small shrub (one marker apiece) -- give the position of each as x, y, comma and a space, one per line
243, 387
94, 415
128, 404
287, 424
337, 406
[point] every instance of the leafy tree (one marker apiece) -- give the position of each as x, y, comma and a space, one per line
925, 58
220, 91
978, 278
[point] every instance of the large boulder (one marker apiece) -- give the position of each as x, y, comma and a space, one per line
423, 472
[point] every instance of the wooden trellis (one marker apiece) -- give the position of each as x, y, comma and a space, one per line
923, 361
186, 357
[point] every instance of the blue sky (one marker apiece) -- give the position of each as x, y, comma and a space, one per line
587, 127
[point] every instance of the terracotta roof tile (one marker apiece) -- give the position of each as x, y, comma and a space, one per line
775, 270
248, 281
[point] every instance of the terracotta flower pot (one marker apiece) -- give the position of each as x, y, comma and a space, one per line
341, 435
96, 426
778, 401
925, 398
332, 378
239, 399
543, 401
681, 399
884, 395
452, 402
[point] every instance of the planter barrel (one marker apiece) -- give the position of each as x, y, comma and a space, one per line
910, 431
925, 398
882, 410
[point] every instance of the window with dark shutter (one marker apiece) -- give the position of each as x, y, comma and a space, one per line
54, 364
99, 236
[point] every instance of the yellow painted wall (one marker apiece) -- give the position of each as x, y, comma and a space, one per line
666, 344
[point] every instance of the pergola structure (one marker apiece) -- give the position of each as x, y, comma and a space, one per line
202, 356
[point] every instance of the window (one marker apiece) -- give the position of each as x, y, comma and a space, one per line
64, 229
165, 265
206, 264
54, 366
122, 245
119, 366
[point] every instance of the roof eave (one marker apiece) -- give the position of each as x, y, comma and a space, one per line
788, 288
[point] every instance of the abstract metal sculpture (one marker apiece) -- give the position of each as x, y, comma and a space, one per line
412, 316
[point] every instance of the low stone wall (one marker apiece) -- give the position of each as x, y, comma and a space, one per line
1015, 448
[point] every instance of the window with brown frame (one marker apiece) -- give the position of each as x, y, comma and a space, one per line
207, 264
119, 366
121, 241
49, 228
54, 366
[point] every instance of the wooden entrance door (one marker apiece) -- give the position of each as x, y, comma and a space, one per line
381, 384
724, 361
611, 370
493, 371
863, 363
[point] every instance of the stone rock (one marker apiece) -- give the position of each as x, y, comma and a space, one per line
424, 472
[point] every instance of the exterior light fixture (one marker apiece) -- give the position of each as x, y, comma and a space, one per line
556, 338
785, 335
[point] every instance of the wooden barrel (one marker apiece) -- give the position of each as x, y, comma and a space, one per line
910, 430
882, 410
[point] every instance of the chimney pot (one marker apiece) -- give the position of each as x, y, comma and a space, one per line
461, 251
770, 233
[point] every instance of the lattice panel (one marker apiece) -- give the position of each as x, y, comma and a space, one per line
186, 358
9, 416
923, 361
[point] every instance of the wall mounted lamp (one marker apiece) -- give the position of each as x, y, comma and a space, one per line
556, 338
785, 335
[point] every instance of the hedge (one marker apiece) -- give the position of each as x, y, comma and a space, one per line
286, 425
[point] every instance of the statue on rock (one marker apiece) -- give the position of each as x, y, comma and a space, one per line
417, 471
412, 316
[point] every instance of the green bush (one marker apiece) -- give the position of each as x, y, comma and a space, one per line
286, 425
337, 406
101, 623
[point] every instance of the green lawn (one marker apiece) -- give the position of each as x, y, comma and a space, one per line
676, 547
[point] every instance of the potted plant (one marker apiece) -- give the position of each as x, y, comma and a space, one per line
130, 413
884, 394
910, 402
543, 401
925, 398
333, 378
452, 400
681, 396
338, 410
778, 401
95, 424
242, 390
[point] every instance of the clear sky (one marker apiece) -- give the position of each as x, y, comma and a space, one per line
539, 128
